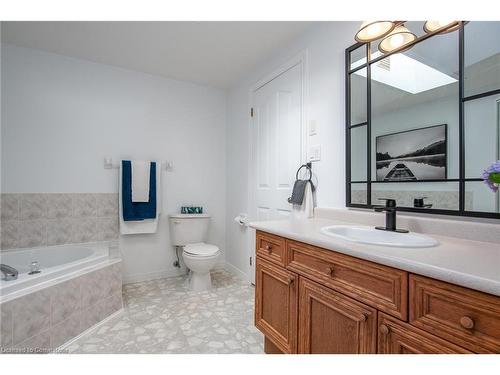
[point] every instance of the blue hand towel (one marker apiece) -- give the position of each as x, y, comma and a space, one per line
137, 211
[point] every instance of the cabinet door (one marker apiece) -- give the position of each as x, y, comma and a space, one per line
330, 322
396, 337
276, 305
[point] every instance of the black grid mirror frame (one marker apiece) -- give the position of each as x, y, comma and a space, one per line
367, 184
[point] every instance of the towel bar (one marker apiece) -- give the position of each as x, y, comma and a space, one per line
108, 164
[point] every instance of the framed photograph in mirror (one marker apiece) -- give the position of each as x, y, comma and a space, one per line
412, 155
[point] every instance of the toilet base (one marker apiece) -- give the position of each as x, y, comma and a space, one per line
200, 282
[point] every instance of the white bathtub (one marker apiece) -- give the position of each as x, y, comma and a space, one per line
56, 263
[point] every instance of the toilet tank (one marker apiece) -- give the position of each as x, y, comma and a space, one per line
188, 228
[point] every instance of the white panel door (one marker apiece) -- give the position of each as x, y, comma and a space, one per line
276, 146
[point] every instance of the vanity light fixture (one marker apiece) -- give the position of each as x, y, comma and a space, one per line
373, 30
397, 38
431, 26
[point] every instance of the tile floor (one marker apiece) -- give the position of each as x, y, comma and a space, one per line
164, 316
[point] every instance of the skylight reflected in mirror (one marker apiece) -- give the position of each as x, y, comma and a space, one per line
405, 73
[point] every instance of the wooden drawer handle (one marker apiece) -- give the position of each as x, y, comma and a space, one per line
268, 248
331, 271
384, 329
291, 279
467, 322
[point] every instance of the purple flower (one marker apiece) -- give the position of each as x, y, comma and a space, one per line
491, 175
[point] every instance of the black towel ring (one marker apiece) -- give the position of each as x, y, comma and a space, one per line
309, 168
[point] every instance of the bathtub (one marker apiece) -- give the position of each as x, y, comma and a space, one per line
78, 286
56, 263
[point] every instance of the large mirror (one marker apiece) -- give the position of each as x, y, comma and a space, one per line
481, 111
424, 123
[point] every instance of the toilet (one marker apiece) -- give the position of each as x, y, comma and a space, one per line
189, 231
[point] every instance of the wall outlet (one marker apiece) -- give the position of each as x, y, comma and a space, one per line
314, 153
312, 127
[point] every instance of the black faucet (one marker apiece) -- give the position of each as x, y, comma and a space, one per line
390, 215
420, 203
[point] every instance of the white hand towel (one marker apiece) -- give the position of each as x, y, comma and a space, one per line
306, 209
140, 180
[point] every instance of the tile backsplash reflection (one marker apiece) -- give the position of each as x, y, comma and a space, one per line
31, 220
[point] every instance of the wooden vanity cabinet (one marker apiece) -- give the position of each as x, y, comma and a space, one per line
276, 305
397, 337
330, 322
382, 287
465, 317
313, 300
271, 248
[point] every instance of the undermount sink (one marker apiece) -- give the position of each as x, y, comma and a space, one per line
372, 236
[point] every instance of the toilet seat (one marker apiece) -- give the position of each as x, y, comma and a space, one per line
201, 249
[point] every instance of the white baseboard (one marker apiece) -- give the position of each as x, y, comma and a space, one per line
221, 265
236, 271
129, 279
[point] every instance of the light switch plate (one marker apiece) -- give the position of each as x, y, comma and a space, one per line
312, 127
314, 153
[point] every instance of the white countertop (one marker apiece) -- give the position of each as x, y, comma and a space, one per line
472, 264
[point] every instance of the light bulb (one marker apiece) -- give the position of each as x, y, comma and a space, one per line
432, 26
440, 24
398, 37
396, 40
373, 29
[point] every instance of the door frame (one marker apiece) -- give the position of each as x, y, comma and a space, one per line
299, 59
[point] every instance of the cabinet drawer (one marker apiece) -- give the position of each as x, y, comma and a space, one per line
465, 317
271, 248
378, 286
397, 337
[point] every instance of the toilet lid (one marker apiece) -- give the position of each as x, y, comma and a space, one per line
201, 248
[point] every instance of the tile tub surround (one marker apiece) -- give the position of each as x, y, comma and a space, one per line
164, 316
45, 219
44, 320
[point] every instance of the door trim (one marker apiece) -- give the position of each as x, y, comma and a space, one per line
299, 59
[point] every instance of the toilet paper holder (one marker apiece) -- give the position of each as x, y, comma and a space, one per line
242, 219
